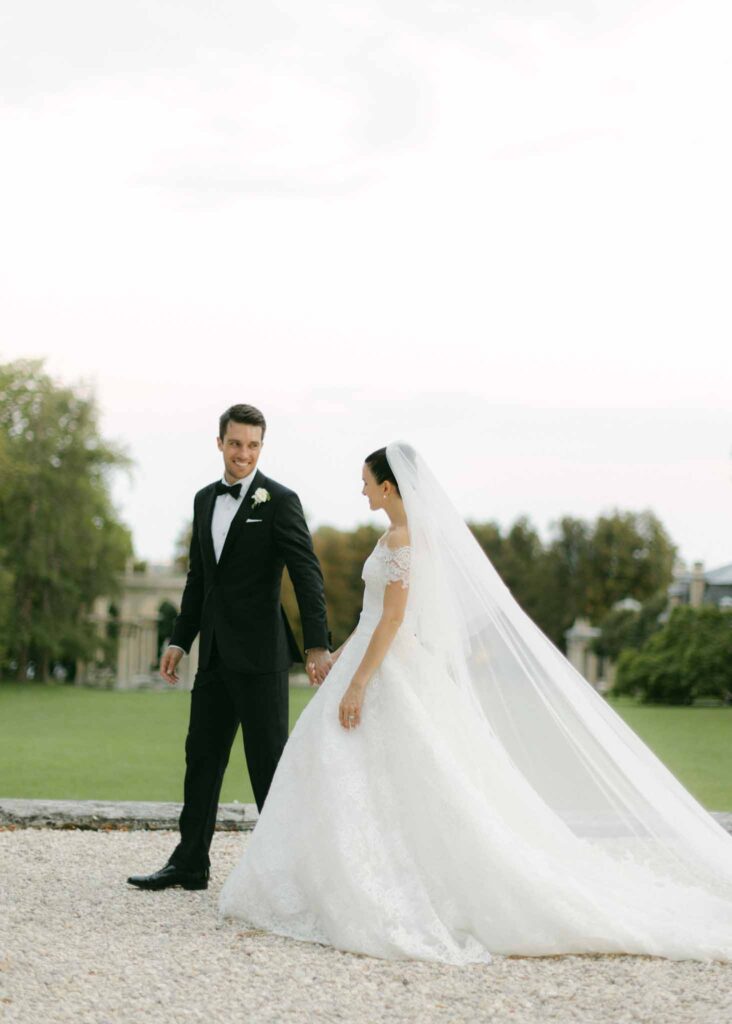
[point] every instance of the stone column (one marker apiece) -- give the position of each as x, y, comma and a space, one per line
697, 585
591, 666
125, 655
148, 645
578, 637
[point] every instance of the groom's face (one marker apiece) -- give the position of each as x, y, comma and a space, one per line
241, 446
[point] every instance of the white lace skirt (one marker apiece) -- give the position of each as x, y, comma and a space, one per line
414, 836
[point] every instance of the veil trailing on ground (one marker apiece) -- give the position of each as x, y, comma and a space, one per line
588, 767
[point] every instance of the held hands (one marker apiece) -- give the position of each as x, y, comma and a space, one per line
169, 664
349, 710
318, 663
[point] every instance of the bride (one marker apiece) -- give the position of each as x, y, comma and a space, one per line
456, 788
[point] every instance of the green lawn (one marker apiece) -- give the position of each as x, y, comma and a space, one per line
695, 743
67, 742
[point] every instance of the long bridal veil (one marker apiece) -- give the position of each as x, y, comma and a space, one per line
589, 769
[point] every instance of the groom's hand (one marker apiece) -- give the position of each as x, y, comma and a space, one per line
318, 663
169, 664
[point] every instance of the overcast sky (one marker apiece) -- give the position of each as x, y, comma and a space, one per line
500, 230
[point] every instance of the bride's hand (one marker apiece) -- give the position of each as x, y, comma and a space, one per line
349, 710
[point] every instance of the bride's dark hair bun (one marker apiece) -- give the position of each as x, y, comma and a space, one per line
379, 466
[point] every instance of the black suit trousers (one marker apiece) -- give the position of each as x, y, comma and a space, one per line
221, 699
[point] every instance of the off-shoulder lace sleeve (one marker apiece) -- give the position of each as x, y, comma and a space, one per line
397, 565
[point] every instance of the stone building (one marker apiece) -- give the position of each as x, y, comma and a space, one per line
133, 620
694, 587
698, 587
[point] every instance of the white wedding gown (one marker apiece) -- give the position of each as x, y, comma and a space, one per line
414, 835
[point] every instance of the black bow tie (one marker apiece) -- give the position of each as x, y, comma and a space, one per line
234, 490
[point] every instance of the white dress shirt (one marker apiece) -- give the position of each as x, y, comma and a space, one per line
225, 508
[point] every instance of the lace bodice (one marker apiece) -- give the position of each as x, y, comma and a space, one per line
396, 562
384, 565
392, 563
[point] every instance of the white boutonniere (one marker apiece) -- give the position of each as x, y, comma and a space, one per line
260, 495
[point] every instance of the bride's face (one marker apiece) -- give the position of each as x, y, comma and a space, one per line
373, 490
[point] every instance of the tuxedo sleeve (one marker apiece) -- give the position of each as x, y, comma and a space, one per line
188, 623
294, 542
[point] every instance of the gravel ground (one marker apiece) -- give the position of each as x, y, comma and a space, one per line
77, 944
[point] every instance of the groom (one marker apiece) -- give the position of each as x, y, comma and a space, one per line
246, 528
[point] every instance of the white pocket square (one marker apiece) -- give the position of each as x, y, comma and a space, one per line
254, 520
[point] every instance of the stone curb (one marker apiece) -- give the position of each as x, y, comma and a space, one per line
125, 815
109, 814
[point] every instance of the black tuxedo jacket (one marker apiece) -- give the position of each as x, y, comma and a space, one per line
238, 598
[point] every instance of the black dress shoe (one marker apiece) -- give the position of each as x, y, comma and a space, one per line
171, 875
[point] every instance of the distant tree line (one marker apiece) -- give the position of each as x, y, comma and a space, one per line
582, 571
62, 546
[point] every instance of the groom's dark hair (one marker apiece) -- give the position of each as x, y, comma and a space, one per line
242, 414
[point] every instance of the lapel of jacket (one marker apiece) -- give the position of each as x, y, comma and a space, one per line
208, 547
241, 514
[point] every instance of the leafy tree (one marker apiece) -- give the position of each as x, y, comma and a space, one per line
6, 597
182, 547
548, 582
585, 568
625, 628
489, 537
515, 556
6, 576
629, 555
688, 659
565, 579
64, 545
522, 562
